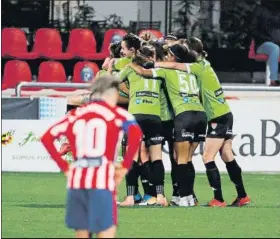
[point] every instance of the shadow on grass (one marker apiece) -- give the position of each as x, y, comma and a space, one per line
41, 206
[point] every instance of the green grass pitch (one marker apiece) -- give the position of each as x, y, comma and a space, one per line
33, 206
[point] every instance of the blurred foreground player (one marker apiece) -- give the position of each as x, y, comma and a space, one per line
94, 131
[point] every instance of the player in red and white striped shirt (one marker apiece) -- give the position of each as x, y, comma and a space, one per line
94, 131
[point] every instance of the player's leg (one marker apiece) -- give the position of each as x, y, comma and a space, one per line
154, 141
174, 165
184, 129
132, 180
145, 174
102, 213
185, 191
77, 212
216, 135
234, 170
167, 132
157, 172
82, 234
191, 169
109, 233
199, 137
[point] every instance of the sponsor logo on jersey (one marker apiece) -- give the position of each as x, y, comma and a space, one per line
214, 125
221, 100
138, 101
147, 102
186, 99
187, 134
160, 138
147, 93
219, 92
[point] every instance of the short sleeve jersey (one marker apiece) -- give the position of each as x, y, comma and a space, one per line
212, 95
182, 90
144, 93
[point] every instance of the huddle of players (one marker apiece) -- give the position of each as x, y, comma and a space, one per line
174, 94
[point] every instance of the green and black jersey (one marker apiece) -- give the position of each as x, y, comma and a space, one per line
182, 90
212, 95
144, 93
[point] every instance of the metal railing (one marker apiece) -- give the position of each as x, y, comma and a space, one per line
50, 85
87, 85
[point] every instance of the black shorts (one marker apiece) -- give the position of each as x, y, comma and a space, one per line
151, 128
167, 128
221, 127
190, 126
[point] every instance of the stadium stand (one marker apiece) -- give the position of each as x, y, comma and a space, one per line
82, 44
15, 71
79, 66
14, 44
110, 36
48, 44
52, 71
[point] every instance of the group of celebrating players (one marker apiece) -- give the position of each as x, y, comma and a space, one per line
175, 96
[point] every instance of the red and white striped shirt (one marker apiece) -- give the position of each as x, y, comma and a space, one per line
94, 132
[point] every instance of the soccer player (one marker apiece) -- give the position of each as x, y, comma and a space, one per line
167, 122
94, 132
190, 119
144, 104
220, 124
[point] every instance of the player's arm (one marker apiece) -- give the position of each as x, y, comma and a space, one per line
172, 65
105, 65
124, 73
49, 138
111, 66
191, 68
79, 99
141, 70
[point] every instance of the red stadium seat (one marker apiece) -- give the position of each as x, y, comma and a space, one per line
110, 36
48, 43
254, 55
14, 44
82, 43
16, 71
260, 57
77, 77
52, 71
154, 33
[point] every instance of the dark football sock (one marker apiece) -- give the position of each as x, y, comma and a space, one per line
183, 180
132, 179
214, 179
174, 177
145, 174
157, 176
191, 171
235, 174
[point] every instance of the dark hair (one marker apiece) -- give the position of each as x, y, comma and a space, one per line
115, 49
158, 49
191, 57
143, 54
132, 41
179, 51
196, 45
171, 36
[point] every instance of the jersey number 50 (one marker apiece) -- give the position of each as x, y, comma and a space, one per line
188, 86
90, 137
